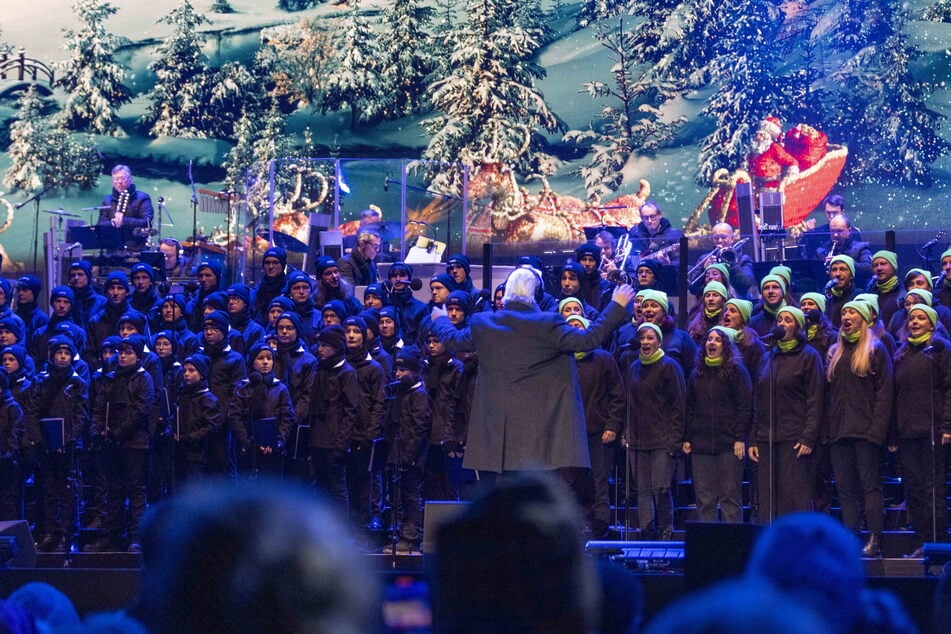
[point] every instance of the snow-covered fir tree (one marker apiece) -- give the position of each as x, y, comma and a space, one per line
939, 11
260, 138
296, 5
443, 37
631, 122
232, 90
352, 76
708, 26
406, 54
178, 107
26, 142
294, 58
656, 31
44, 154
221, 6
91, 76
593, 10
529, 15
878, 106
750, 88
490, 109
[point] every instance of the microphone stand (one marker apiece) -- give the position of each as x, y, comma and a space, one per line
772, 431
627, 452
37, 197
194, 202
934, 475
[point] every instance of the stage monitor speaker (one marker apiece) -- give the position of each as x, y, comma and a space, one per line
436, 514
771, 209
16, 534
744, 205
331, 243
716, 551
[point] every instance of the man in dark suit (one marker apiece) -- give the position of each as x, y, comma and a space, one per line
126, 206
527, 412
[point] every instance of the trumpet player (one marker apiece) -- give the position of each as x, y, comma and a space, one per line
738, 265
843, 240
615, 265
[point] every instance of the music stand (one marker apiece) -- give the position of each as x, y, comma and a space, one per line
101, 237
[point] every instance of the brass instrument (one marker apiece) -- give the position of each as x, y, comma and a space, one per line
830, 255
613, 269
727, 255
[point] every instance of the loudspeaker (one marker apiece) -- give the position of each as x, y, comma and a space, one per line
437, 513
771, 209
716, 551
24, 549
744, 206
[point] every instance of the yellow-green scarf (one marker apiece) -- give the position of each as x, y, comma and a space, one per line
787, 346
888, 285
920, 340
654, 358
853, 337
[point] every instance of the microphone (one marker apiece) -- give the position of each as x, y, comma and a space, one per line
774, 335
936, 347
484, 296
386, 182
415, 284
930, 243
161, 200
814, 316
828, 286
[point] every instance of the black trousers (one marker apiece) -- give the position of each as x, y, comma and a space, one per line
717, 479
857, 465
126, 476
56, 497
407, 500
598, 512
786, 482
9, 490
654, 472
359, 486
926, 491
441, 481
330, 476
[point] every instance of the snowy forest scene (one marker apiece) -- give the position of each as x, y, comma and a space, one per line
509, 120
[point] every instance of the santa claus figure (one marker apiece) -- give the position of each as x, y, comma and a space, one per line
806, 144
768, 162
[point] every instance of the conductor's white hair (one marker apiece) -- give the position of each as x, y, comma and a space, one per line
521, 286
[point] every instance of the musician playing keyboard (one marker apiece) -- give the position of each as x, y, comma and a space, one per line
653, 234
126, 206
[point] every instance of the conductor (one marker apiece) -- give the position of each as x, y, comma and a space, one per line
527, 412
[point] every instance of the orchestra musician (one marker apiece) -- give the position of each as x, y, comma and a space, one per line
843, 241
833, 205
740, 265
655, 232
176, 264
126, 206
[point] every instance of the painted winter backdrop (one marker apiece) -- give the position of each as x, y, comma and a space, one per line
585, 98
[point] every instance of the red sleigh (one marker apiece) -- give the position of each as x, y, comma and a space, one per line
802, 192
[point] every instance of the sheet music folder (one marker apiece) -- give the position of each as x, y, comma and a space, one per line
54, 433
264, 432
